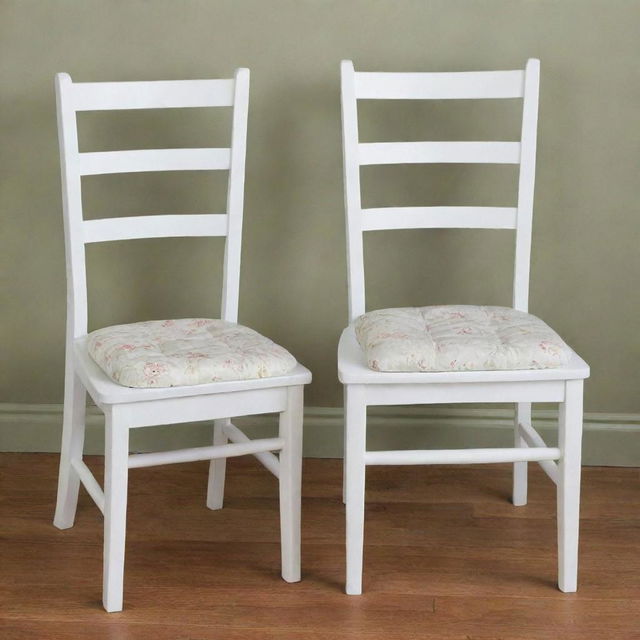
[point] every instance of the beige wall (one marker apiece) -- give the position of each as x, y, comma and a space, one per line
585, 255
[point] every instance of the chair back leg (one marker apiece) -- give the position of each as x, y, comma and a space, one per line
570, 443
290, 430
520, 469
73, 427
355, 419
116, 472
217, 467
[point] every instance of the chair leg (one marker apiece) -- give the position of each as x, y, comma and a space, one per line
116, 471
355, 425
344, 462
523, 416
72, 444
570, 444
290, 483
217, 468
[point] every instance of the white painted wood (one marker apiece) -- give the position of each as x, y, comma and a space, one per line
73, 428
460, 456
127, 408
526, 186
355, 422
171, 94
439, 86
532, 438
72, 208
115, 507
290, 431
464, 392
465, 85
207, 407
352, 203
268, 459
570, 443
364, 387
194, 454
377, 219
345, 451
105, 162
438, 152
90, 483
217, 467
235, 198
158, 226
520, 469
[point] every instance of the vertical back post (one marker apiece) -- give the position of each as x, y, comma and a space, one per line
353, 207
235, 198
526, 184
72, 208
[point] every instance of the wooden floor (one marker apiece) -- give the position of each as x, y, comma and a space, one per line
446, 556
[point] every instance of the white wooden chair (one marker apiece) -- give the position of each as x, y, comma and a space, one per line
127, 407
403, 381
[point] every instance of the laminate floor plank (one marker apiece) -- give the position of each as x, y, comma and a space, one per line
446, 556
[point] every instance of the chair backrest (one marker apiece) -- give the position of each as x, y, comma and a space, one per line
438, 86
105, 96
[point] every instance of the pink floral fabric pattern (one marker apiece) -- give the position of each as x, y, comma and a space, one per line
170, 353
458, 338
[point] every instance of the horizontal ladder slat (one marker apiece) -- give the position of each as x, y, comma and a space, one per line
534, 439
98, 96
439, 86
252, 447
89, 482
439, 218
159, 226
102, 162
461, 456
268, 459
370, 153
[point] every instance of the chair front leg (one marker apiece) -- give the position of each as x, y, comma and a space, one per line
73, 427
217, 467
290, 483
344, 463
523, 416
570, 444
355, 419
116, 472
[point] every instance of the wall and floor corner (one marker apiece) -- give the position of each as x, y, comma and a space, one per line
609, 439
586, 230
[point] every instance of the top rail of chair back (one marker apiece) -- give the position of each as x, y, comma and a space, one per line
467, 85
158, 94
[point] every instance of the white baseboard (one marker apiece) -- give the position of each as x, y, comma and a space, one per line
610, 439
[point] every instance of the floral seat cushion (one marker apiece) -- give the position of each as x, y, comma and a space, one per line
170, 353
458, 338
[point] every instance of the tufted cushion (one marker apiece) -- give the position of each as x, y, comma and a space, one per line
458, 338
171, 353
